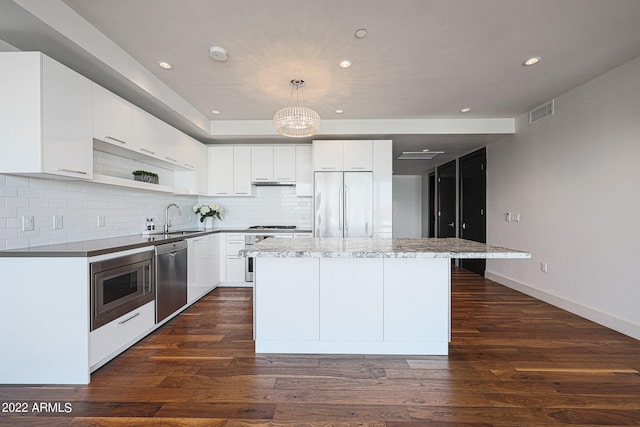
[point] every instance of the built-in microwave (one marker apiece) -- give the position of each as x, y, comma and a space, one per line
120, 285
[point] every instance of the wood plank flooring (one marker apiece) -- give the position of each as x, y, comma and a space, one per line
514, 361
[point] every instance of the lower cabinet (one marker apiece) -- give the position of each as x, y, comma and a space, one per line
203, 265
117, 335
235, 264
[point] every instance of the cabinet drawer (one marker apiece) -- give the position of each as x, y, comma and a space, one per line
116, 336
233, 248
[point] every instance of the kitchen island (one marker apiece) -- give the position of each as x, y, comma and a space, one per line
358, 295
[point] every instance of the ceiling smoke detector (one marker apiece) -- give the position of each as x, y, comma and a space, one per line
218, 53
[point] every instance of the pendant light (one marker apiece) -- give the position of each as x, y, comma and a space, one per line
296, 121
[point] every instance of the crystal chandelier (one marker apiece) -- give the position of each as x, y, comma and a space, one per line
295, 120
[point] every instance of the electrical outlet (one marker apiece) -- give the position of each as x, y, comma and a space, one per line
27, 223
100, 220
57, 222
516, 217
507, 217
544, 267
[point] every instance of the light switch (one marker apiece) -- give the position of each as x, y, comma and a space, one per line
57, 222
100, 220
27, 223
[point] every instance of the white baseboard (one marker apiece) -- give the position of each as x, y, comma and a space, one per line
604, 319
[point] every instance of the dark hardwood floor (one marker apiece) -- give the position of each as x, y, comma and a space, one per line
514, 361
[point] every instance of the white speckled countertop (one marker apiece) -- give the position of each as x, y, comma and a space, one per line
378, 248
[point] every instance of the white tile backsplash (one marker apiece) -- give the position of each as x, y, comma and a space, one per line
125, 210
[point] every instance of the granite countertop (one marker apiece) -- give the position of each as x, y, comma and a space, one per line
89, 248
378, 248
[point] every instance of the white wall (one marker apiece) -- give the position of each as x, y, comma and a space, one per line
575, 181
407, 206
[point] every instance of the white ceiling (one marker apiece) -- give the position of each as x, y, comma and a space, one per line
421, 59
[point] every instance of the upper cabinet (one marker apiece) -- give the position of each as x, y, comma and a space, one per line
230, 171
304, 171
45, 117
343, 155
111, 118
273, 163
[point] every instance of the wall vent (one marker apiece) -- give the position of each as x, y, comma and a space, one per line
545, 110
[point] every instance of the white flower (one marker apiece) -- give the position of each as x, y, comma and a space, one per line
196, 208
205, 209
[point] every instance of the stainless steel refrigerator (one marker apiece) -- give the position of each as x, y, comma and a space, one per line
343, 204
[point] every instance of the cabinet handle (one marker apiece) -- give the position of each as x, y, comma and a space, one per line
240, 193
122, 322
358, 168
261, 179
189, 166
71, 171
115, 139
170, 159
147, 151
221, 193
327, 168
286, 179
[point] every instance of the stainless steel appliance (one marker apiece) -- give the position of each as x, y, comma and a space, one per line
120, 285
343, 204
252, 239
171, 278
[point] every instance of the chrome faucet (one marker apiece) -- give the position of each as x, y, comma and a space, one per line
167, 222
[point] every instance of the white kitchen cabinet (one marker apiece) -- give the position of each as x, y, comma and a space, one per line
343, 155
271, 163
146, 134
241, 171
275, 318
327, 155
262, 163
111, 339
230, 171
235, 263
284, 163
304, 171
358, 155
111, 118
45, 117
203, 265
221, 171
382, 188
351, 300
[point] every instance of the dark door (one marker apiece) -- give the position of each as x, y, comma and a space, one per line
432, 205
473, 195
446, 177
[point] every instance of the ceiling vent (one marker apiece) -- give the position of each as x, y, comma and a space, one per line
545, 110
419, 155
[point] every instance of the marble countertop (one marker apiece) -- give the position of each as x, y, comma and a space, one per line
379, 248
89, 248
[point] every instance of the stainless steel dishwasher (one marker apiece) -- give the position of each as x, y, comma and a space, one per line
171, 278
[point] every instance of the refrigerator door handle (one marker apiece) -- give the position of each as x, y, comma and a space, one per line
346, 211
340, 207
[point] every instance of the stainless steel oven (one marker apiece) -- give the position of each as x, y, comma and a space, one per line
252, 239
120, 285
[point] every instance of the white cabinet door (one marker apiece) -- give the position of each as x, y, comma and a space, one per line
358, 155
46, 120
241, 171
416, 304
382, 188
111, 118
235, 262
221, 171
327, 155
304, 171
262, 163
351, 295
67, 116
145, 133
284, 163
202, 168
275, 317
202, 266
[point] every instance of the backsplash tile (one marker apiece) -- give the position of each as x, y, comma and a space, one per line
125, 210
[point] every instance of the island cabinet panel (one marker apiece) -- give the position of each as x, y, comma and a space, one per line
288, 293
416, 296
351, 299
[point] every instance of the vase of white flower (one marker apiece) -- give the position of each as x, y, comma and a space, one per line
208, 212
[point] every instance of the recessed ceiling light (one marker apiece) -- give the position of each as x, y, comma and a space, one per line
345, 63
164, 65
361, 33
218, 53
339, 111
215, 112
531, 61
465, 110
